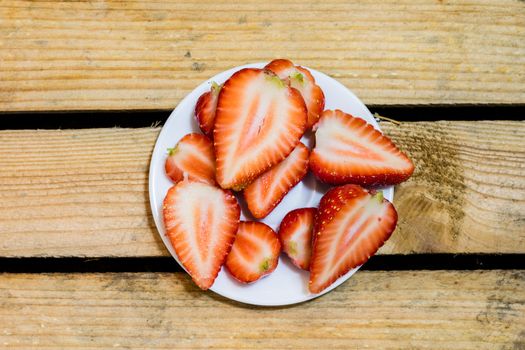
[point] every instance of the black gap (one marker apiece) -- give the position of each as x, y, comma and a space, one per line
446, 262
455, 112
83, 120
167, 264
146, 118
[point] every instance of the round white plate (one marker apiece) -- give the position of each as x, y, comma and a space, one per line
287, 284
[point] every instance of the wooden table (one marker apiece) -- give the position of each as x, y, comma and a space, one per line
81, 262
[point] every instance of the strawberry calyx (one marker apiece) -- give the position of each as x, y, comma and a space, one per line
172, 150
298, 77
378, 197
216, 88
274, 79
292, 248
265, 265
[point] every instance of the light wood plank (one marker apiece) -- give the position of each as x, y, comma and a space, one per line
84, 192
148, 55
376, 310
76, 193
468, 191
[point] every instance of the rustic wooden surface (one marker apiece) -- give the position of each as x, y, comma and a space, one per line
148, 55
84, 192
376, 310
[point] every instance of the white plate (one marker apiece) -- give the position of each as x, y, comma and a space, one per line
287, 284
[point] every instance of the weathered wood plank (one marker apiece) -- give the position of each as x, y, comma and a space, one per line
468, 191
148, 55
84, 192
376, 310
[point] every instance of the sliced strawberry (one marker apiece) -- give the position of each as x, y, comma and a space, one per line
295, 234
263, 195
300, 78
349, 150
201, 222
192, 157
205, 109
351, 225
255, 252
259, 121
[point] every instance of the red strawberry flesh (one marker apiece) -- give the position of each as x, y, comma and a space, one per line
267, 191
349, 150
351, 225
295, 233
258, 123
205, 109
255, 252
301, 79
201, 222
193, 158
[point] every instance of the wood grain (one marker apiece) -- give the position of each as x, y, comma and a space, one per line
376, 310
84, 192
148, 55
467, 193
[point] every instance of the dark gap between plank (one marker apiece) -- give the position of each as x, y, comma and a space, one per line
167, 264
147, 118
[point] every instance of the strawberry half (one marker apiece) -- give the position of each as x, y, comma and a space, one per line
295, 233
263, 195
192, 157
301, 79
349, 150
205, 109
259, 121
351, 225
255, 252
201, 222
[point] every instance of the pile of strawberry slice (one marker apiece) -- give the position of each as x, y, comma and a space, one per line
252, 127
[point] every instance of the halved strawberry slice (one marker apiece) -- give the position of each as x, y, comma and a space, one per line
201, 222
263, 195
300, 78
205, 109
192, 157
295, 234
351, 225
255, 252
349, 150
259, 121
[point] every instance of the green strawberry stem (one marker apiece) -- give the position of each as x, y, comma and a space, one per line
379, 196
265, 265
298, 77
216, 88
276, 80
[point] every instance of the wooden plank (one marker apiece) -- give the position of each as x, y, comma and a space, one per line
84, 192
376, 310
468, 191
77, 193
114, 55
